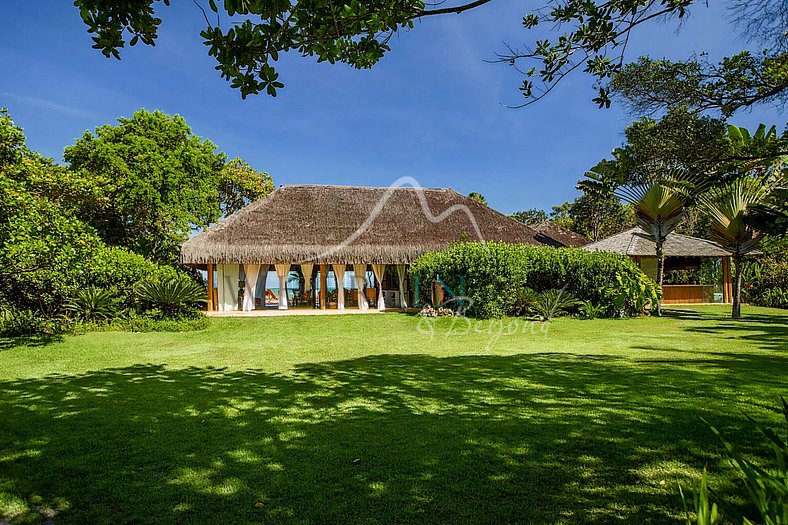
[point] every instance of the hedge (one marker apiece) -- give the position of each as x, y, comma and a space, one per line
492, 274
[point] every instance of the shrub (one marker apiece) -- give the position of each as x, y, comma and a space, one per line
16, 322
552, 303
45, 252
495, 274
524, 301
173, 297
630, 294
92, 305
119, 270
767, 279
590, 310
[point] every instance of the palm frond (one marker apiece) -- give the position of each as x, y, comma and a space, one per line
728, 206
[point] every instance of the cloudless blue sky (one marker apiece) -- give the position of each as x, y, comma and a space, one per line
432, 109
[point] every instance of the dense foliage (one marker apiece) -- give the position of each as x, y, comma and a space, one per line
68, 236
766, 278
530, 216
154, 181
493, 275
173, 297
247, 38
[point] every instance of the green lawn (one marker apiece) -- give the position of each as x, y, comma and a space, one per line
383, 419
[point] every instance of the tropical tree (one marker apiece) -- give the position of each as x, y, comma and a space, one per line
659, 210
728, 206
530, 216
247, 38
153, 181
598, 216
750, 200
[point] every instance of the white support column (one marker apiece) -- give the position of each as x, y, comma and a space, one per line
359, 273
282, 270
306, 269
250, 286
379, 270
339, 273
403, 299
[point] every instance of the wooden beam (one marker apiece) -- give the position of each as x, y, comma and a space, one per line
727, 283
323, 276
211, 306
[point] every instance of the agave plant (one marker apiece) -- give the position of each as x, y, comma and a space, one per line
524, 301
728, 207
172, 296
552, 303
93, 304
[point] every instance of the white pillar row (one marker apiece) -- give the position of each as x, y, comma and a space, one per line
339, 273
250, 286
228, 287
306, 269
359, 273
281, 271
379, 270
403, 299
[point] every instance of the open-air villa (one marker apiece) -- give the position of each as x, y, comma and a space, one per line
348, 248
336, 247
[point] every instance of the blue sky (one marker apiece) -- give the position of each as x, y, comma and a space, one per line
432, 109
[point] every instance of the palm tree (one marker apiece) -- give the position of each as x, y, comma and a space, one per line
658, 209
728, 207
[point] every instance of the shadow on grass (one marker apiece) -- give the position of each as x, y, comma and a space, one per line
29, 340
541, 438
766, 331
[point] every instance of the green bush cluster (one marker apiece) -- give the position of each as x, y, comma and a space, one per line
767, 280
493, 275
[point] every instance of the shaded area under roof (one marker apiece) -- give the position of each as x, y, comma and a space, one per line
347, 224
636, 242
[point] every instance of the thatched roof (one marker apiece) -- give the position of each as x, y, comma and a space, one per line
336, 224
550, 233
636, 242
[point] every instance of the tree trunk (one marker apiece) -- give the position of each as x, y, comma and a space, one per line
660, 270
736, 310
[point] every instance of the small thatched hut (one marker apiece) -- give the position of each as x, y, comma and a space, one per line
684, 261
307, 232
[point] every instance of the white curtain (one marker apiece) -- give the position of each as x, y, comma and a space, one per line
262, 279
228, 287
403, 301
379, 270
250, 286
306, 269
339, 273
359, 272
282, 271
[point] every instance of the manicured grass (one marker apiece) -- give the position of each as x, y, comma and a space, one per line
383, 419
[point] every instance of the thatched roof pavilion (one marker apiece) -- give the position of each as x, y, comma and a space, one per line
636, 243
326, 228
347, 224
682, 253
